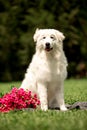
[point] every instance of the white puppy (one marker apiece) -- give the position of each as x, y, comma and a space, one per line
47, 71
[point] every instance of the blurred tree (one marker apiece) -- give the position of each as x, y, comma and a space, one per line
18, 21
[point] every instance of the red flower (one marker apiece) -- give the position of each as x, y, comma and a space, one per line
18, 99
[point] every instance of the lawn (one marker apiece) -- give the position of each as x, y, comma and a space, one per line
75, 90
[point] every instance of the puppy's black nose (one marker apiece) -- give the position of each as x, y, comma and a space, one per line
47, 44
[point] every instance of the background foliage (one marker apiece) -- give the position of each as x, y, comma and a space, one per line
20, 18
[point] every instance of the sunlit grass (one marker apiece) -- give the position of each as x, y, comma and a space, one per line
75, 90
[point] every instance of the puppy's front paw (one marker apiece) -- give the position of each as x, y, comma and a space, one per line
63, 108
44, 107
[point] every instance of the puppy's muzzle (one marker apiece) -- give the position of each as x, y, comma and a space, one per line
48, 46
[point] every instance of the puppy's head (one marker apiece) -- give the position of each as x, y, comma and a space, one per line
48, 39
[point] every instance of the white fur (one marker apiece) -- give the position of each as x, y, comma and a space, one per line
47, 71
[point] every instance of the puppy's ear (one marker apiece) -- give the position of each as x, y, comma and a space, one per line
60, 36
35, 37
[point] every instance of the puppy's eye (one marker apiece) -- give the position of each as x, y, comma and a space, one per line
52, 37
44, 37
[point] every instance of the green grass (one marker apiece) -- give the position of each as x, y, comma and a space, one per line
75, 90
